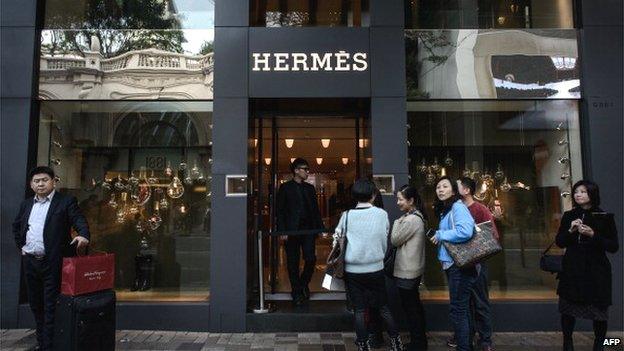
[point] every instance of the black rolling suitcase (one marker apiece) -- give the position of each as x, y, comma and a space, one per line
85, 322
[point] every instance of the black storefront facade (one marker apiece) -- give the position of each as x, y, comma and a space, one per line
266, 92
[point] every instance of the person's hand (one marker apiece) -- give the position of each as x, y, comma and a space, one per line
325, 235
586, 230
434, 239
81, 245
575, 225
497, 213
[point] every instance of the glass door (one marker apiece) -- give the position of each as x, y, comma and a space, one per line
337, 150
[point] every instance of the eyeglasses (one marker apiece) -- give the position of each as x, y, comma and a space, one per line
307, 169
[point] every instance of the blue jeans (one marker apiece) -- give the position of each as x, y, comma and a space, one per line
461, 283
480, 304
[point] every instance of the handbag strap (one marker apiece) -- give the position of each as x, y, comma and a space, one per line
549, 247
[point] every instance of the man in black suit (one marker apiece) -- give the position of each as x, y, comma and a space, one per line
298, 212
42, 231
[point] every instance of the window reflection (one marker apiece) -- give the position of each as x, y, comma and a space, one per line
488, 14
126, 64
299, 13
492, 64
142, 174
524, 156
129, 14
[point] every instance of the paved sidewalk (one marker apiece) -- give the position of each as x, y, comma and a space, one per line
24, 339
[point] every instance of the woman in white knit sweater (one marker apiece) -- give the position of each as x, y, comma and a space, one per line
408, 236
367, 234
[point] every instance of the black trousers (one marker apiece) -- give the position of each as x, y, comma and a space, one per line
295, 245
43, 290
415, 315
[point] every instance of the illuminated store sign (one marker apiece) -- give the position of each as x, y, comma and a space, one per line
287, 62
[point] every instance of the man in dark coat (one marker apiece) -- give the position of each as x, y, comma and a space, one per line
42, 231
297, 214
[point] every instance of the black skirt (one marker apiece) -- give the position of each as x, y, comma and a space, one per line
366, 289
583, 311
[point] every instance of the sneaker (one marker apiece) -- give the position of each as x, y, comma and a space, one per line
451, 342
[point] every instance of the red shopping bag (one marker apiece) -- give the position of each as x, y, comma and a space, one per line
86, 274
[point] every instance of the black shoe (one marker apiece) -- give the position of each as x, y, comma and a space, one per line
416, 346
568, 345
376, 340
298, 300
306, 292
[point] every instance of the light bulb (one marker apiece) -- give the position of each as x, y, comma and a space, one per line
345, 160
292, 159
175, 189
289, 142
362, 143
182, 209
325, 143
319, 160
267, 161
255, 142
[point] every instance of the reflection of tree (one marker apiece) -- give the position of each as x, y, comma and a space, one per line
119, 25
206, 47
430, 42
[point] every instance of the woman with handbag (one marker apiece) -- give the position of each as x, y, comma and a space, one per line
587, 233
408, 236
366, 228
456, 226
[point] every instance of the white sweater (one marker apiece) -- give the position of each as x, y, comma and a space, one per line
367, 239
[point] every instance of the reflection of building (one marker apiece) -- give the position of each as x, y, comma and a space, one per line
467, 63
136, 75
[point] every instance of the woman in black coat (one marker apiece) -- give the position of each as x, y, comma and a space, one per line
587, 233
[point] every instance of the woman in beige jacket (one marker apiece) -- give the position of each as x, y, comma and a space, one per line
408, 236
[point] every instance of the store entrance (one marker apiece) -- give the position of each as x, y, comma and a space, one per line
336, 143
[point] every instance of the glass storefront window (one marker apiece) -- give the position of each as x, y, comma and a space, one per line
492, 64
524, 156
141, 172
111, 64
488, 14
129, 14
299, 13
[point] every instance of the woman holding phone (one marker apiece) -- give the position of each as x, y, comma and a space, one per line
456, 226
587, 233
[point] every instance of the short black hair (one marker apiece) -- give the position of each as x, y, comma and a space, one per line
592, 190
298, 162
40, 170
469, 183
363, 190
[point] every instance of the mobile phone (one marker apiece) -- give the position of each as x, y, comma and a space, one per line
430, 233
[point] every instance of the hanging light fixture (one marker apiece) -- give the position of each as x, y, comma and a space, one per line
267, 161
319, 160
292, 159
255, 142
289, 142
325, 143
345, 160
362, 143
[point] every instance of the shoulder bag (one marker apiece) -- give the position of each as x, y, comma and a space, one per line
481, 246
336, 257
551, 263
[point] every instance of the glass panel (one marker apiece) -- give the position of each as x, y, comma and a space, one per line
126, 64
300, 13
524, 156
485, 14
492, 64
142, 174
129, 14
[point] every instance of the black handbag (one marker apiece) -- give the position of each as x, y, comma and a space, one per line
551, 263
